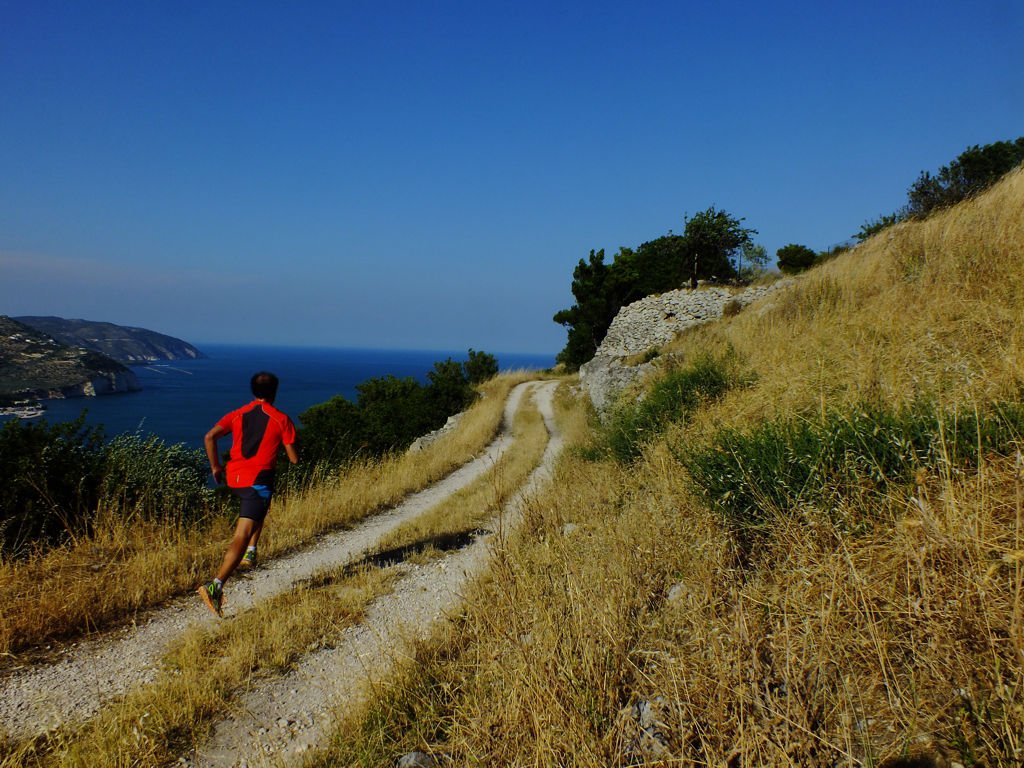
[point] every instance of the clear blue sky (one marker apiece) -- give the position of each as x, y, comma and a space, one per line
426, 175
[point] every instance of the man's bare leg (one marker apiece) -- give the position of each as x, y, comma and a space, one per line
255, 537
243, 534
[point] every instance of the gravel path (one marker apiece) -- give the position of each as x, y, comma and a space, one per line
94, 671
280, 719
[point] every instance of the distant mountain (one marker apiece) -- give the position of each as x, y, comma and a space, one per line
35, 365
128, 345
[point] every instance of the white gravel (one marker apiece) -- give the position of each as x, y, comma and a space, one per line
91, 672
279, 720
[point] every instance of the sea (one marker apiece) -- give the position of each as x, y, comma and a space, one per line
181, 400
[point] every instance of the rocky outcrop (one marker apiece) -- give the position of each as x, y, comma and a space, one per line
647, 324
126, 344
431, 437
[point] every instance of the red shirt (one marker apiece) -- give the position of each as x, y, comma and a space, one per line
257, 430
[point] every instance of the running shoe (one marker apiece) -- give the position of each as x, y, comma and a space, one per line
212, 595
248, 560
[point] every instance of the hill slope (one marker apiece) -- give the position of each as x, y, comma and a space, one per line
34, 365
126, 344
862, 606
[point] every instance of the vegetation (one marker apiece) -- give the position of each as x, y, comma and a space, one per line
673, 398
867, 455
795, 258
389, 412
125, 563
712, 246
874, 453
973, 171
58, 477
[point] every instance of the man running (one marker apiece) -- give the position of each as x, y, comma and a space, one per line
257, 431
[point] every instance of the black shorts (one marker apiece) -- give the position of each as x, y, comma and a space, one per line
255, 502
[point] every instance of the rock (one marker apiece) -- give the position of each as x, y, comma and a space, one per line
644, 731
651, 322
417, 760
422, 442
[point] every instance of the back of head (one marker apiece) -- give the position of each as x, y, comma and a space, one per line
264, 386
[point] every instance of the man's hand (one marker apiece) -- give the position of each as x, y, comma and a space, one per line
218, 475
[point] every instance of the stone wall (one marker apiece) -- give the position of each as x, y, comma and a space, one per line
651, 322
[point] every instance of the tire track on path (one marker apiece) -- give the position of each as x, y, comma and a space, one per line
97, 670
279, 720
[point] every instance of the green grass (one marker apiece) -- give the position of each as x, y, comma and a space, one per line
867, 452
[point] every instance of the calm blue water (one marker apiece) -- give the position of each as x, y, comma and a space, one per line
181, 400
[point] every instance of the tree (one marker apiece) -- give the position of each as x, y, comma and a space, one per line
711, 241
973, 171
588, 319
795, 258
872, 228
753, 261
480, 367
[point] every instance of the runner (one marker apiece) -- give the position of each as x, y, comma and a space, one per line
257, 431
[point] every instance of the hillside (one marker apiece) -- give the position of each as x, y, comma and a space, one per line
126, 344
34, 365
799, 542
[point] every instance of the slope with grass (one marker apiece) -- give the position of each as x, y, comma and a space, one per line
804, 547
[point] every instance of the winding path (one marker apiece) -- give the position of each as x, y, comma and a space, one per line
94, 671
280, 719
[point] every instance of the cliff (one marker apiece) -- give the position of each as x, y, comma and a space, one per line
34, 365
126, 344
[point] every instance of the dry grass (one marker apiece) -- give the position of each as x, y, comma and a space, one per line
617, 628
124, 568
481, 500
155, 724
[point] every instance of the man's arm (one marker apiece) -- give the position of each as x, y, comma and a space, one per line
210, 441
293, 455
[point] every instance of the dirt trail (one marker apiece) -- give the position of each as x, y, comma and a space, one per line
94, 671
279, 720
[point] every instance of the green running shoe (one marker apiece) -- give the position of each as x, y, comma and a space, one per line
248, 560
213, 596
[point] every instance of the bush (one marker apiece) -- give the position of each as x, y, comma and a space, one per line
390, 413
146, 478
50, 478
795, 258
860, 452
672, 398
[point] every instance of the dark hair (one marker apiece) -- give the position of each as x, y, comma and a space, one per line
264, 385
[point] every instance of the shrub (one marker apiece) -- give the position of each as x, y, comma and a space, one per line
146, 478
50, 477
863, 451
795, 258
672, 398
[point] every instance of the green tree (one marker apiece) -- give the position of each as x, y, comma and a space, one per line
795, 258
448, 392
712, 240
332, 432
973, 171
872, 228
588, 319
394, 412
753, 261
480, 367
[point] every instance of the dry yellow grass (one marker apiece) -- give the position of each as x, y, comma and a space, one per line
902, 638
482, 499
155, 724
123, 568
